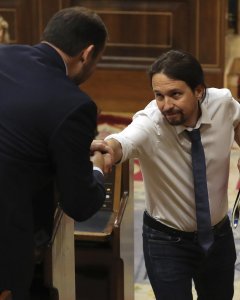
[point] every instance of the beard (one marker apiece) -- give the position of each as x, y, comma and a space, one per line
174, 117
82, 75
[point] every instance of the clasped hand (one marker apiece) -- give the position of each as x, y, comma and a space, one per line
101, 155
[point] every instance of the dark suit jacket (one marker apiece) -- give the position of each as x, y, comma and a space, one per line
46, 127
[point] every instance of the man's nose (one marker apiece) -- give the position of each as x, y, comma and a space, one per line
168, 103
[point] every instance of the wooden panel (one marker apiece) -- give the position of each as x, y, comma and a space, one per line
27, 19
12, 13
209, 50
121, 21
19, 25
10, 16
211, 40
142, 30
43, 11
63, 260
139, 31
119, 89
214, 77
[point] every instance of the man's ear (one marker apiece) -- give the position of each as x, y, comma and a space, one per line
87, 53
199, 92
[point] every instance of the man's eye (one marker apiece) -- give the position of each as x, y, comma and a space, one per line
158, 96
177, 94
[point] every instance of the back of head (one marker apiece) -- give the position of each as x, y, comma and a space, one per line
75, 28
179, 65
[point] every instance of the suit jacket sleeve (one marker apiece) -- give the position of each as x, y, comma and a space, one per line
81, 189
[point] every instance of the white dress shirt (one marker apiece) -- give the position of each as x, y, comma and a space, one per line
164, 152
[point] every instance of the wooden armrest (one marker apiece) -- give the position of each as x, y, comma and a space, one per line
122, 207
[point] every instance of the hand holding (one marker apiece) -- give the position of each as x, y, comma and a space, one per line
102, 146
97, 159
106, 150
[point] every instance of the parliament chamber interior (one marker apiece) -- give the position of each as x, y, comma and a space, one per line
95, 259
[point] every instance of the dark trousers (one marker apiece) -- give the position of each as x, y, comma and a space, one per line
173, 260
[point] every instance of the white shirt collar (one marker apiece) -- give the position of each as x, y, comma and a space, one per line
204, 119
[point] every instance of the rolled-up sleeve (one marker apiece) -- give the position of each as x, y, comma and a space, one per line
134, 137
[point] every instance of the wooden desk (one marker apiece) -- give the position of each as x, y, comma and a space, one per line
104, 246
94, 259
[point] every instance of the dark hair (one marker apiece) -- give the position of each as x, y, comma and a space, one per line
179, 65
75, 28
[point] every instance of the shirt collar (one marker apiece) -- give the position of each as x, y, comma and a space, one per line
204, 119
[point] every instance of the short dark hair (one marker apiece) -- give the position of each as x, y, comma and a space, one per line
179, 65
74, 28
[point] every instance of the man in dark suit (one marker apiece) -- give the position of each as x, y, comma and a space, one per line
47, 125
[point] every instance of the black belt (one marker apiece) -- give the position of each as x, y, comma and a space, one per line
154, 224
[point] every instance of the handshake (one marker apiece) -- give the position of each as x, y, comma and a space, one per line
102, 155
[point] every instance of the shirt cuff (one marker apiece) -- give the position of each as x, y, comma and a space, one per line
97, 169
